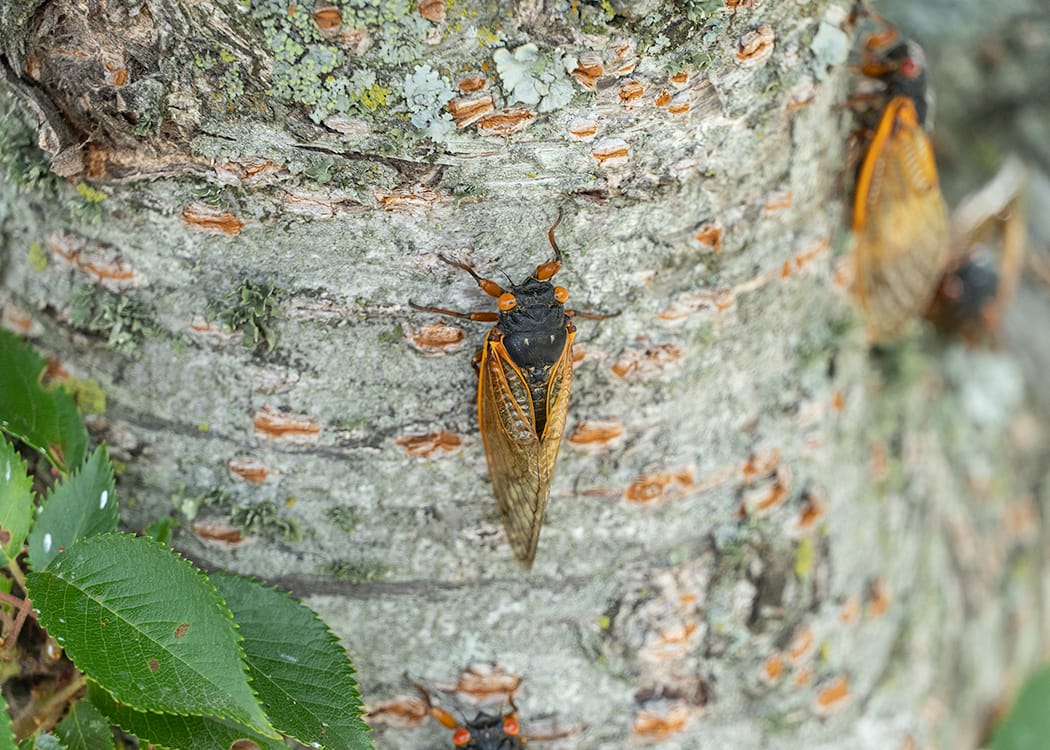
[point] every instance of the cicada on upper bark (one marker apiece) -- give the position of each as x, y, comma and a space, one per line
524, 381
900, 220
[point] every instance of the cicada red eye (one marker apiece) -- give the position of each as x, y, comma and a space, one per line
909, 68
510, 725
461, 737
561, 294
507, 301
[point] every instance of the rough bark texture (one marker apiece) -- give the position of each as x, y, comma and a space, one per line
760, 534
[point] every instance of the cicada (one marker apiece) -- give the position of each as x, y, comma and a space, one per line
988, 250
485, 732
900, 220
524, 381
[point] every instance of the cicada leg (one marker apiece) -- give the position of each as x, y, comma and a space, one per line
482, 317
490, 287
545, 270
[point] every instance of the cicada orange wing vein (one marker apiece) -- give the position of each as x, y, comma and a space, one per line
521, 435
900, 221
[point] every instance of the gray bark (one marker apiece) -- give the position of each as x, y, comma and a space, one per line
877, 522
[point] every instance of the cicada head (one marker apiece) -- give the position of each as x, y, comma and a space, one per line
967, 301
485, 732
490, 732
990, 239
899, 64
903, 69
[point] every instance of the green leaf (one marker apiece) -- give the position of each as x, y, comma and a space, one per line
47, 420
147, 627
7, 733
177, 732
16, 503
1027, 726
160, 529
85, 728
82, 505
298, 669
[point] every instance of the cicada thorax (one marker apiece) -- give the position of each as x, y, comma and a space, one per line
536, 336
490, 732
900, 220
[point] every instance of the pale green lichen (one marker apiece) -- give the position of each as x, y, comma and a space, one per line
804, 557
37, 257
830, 47
23, 162
343, 518
213, 195
538, 79
314, 69
266, 519
426, 93
229, 91
251, 308
318, 167
589, 18
687, 36
144, 100
88, 394
189, 505
125, 322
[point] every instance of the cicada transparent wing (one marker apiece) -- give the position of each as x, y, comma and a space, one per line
521, 460
900, 221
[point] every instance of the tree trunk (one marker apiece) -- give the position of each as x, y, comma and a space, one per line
759, 535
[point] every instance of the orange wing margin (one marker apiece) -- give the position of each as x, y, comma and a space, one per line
521, 463
900, 221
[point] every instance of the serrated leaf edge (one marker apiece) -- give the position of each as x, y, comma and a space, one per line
235, 724
332, 637
13, 472
229, 616
69, 478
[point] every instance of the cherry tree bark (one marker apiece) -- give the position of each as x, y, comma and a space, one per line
760, 533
